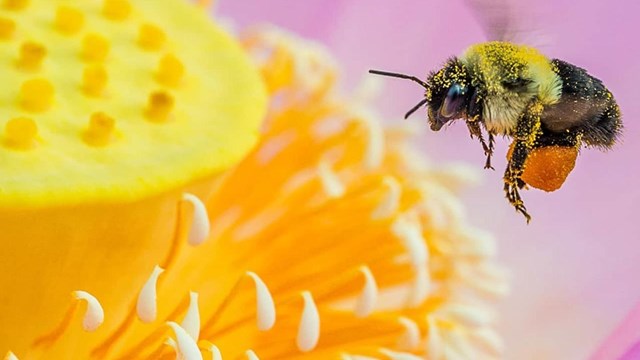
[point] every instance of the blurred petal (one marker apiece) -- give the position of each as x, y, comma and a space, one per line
624, 342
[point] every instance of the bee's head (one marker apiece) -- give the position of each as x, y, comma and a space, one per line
449, 94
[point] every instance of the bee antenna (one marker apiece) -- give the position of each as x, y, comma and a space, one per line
401, 76
413, 109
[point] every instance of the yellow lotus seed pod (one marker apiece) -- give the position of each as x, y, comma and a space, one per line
112, 153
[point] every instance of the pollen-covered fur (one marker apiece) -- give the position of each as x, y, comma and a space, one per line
510, 76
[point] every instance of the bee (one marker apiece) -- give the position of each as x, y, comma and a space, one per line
549, 107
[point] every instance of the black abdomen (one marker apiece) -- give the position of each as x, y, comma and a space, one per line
586, 106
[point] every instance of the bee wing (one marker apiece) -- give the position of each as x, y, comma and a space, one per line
510, 20
493, 16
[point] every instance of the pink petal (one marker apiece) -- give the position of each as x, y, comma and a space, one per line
624, 342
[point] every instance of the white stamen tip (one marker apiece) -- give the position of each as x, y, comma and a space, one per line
171, 343
331, 184
265, 308
146, 306
309, 328
409, 230
357, 357
251, 355
410, 340
434, 340
94, 316
395, 355
200, 227
187, 347
191, 321
366, 302
391, 202
490, 341
374, 153
458, 346
10, 356
468, 315
420, 287
215, 352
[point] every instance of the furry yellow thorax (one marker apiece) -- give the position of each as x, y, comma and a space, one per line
510, 76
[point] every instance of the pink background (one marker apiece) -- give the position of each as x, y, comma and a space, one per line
575, 267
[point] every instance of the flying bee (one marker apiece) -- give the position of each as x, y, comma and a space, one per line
549, 107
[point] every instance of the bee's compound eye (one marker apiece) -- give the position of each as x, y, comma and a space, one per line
473, 108
454, 100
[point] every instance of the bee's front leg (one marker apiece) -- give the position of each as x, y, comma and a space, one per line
475, 130
525, 137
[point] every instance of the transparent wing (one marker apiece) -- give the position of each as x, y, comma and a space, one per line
511, 20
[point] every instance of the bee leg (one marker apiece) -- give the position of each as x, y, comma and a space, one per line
475, 130
512, 184
526, 136
489, 152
